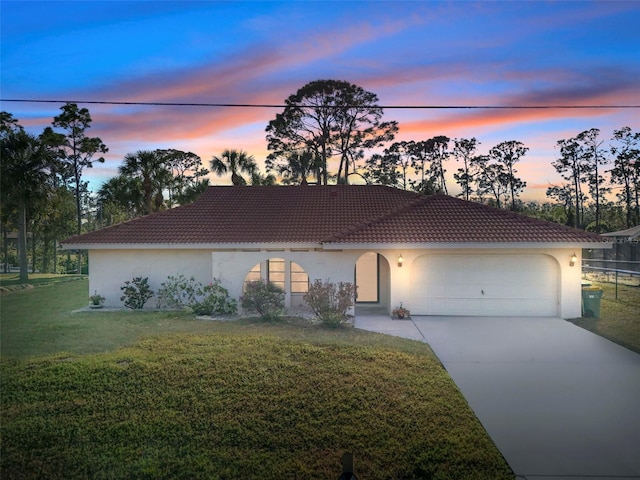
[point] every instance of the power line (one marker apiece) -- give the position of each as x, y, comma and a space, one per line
268, 105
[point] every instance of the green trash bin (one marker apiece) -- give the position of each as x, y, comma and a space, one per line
591, 301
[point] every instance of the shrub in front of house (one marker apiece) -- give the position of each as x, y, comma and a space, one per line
215, 300
212, 299
177, 292
264, 298
331, 301
136, 293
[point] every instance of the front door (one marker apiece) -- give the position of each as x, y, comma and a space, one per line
368, 278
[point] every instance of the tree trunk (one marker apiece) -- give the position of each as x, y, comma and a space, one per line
22, 240
325, 174
466, 183
33, 252
5, 249
79, 222
597, 192
45, 255
444, 181
576, 182
637, 208
55, 253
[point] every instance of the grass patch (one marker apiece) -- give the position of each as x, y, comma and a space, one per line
35, 279
38, 322
174, 397
619, 318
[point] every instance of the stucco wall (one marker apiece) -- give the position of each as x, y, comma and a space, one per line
232, 267
569, 295
109, 269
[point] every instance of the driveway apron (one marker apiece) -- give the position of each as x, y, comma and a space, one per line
558, 401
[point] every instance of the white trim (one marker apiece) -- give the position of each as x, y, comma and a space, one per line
462, 246
327, 246
193, 246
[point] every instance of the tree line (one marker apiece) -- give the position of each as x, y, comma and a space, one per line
329, 119
330, 131
41, 181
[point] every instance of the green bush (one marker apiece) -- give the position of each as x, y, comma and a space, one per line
215, 301
136, 293
265, 298
177, 292
212, 299
333, 319
330, 301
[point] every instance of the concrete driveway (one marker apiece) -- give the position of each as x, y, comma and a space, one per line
558, 401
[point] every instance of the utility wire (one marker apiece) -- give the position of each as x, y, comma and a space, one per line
267, 105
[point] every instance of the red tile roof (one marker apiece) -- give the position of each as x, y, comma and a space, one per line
330, 214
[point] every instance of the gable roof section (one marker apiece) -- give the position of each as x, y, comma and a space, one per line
256, 214
338, 214
445, 219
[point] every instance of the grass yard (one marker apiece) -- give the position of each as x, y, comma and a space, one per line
619, 319
161, 395
12, 280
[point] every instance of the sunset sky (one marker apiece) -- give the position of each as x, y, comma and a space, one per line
408, 53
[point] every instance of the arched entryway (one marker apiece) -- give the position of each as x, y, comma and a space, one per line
372, 280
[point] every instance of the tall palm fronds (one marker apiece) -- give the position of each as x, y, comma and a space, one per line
24, 177
149, 167
123, 193
234, 162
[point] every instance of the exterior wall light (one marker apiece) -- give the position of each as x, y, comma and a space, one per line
574, 259
400, 260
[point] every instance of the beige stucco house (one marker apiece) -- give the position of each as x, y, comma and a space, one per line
437, 255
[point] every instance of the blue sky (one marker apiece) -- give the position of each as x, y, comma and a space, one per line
408, 53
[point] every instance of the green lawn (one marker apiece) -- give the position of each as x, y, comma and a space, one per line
161, 395
13, 279
619, 318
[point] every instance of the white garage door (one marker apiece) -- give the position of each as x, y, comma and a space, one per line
486, 285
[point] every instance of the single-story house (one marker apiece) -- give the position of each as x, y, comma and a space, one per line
437, 255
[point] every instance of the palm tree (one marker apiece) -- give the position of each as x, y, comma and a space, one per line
149, 167
258, 178
192, 192
234, 162
124, 193
24, 178
299, 166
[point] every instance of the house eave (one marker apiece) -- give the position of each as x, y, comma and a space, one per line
465, 245
280, 246
192, 246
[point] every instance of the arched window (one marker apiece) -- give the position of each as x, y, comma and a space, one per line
294, 280
299, 279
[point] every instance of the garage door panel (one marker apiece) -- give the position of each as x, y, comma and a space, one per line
440, 291
497, 285
440, 306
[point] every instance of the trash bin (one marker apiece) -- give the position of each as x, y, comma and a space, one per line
591, 301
